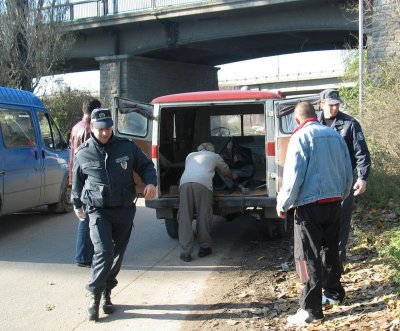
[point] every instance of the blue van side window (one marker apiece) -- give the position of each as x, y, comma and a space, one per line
51, 136
17, 128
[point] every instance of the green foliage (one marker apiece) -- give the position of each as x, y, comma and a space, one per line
391, 252
65, 106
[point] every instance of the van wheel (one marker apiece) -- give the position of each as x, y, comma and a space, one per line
64, 205
171, 225
277, 228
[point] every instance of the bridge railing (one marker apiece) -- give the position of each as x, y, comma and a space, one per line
97, 8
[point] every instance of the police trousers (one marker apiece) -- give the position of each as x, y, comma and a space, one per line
110, 230
316, 232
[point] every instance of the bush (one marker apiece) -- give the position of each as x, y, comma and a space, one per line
65, 106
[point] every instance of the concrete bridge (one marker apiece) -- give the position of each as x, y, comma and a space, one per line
145, 48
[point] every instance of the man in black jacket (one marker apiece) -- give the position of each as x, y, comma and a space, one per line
351, 131
103, 182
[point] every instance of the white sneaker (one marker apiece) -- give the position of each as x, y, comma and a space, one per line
329, 301
302, 316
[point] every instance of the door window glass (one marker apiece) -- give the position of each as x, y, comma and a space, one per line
133, 124
17, 128
51, 135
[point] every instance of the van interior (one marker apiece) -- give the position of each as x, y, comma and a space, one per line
237, 132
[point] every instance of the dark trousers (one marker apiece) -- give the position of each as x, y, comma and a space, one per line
316, 231
345, 225
110, 230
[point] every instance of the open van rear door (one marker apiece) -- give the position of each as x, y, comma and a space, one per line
284, 126
133, 119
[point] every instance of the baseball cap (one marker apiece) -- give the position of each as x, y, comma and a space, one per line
330, 96
101, 118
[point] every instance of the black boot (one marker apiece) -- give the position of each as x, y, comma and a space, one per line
106, 303
93, 308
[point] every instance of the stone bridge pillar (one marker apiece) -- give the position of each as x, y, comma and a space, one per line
142, 79
385, 31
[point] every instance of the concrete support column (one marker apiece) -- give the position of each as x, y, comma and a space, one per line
385, 31
143, 79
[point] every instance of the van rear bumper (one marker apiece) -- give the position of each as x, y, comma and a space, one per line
219, 202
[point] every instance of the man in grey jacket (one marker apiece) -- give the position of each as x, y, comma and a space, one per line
317, 177
196, 196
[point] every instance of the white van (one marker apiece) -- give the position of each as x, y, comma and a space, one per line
249, 129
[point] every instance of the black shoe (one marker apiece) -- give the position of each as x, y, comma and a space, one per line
185, 257
93, 307
84, 264
204, 251
106, 303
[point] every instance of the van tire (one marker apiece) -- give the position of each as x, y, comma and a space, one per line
64, 205
277, 228
171, 225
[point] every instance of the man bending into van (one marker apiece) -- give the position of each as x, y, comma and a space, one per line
196, 197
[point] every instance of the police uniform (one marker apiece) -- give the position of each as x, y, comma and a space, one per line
351, 131
103, 181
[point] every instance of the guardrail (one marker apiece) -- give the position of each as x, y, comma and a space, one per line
96, 8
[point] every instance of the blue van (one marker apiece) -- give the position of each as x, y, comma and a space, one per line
33, 155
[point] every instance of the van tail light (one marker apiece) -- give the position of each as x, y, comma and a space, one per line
270, 148
154, 152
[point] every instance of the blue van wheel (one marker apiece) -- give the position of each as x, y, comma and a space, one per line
64, 205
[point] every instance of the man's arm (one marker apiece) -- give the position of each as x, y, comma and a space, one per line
362, 157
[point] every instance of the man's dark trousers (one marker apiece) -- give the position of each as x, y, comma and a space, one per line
110, 230
316, 231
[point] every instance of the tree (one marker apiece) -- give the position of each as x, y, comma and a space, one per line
33, 41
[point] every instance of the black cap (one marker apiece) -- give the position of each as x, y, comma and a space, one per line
101, 118
330, 96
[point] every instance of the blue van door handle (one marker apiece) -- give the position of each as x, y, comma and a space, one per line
2, 173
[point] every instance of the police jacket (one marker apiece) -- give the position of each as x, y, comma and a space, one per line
351, 131
317, 167
103, 174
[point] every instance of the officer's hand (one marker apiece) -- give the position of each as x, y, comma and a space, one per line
149, 191
359, 187
234, 176
80, 213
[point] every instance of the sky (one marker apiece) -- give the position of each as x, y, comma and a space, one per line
274, 66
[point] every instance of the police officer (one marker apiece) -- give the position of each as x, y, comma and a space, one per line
352, 133
103, 182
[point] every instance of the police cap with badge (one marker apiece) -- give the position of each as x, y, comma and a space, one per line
330, 97
101, 118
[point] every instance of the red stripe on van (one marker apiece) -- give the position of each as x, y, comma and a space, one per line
154, 152
270, 148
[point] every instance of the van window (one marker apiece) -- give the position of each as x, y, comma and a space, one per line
17, 128
287, 123
133, 124
237, 125
51, 135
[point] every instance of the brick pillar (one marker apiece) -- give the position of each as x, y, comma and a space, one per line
143, 79
385, 31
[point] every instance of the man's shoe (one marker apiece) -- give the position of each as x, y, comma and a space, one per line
302, 316
84, 264
329, 301
185, 257
93, 307
204, 251
106, 303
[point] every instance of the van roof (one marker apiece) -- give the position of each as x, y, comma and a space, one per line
19, 97
217, 96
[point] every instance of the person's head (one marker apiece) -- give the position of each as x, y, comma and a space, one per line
206, 147
89, 105
303, 111
330, 103
101, 124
